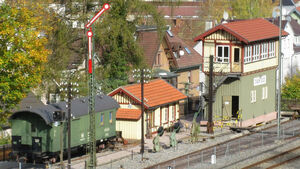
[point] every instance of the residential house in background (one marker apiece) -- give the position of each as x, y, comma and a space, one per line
174, 60
245, 61
161, 105
290, 46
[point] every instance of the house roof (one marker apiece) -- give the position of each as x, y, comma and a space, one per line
247, 31
129, 114
190, 57
79, 107
295, 26
185, 11
276, 22
156, 92
287, 2
149, 42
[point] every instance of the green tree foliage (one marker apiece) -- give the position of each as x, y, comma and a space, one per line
22, 54
116, 42
291, 89
248, 9
237, 9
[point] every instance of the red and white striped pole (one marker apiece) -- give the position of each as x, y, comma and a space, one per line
90, 35
90, 47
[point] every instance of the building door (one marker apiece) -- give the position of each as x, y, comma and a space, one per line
36, 144
235, 106
236, 65
226, 107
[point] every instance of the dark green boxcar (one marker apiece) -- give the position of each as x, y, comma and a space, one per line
35, 134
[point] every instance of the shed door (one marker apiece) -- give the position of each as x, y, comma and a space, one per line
226, 107
36, 144
236, 60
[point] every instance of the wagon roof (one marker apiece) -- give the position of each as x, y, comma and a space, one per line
79, 107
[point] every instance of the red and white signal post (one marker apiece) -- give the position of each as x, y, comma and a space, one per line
92, 132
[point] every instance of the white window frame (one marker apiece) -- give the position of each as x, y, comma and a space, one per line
264, 50
166, 114
256, 52
265, 92
222, 59
271, 49
253, 96
248, 54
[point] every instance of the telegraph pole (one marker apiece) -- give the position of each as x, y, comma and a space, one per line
92, 134
210, 123
69, 124
279, 75
142, 97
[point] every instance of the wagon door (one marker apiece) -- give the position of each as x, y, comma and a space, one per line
36, 144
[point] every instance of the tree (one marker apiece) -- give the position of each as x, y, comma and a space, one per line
114, 33
237, 9
249, 9
23, 53
291, 89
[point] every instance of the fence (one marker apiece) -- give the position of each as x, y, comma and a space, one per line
286, 103
223, 153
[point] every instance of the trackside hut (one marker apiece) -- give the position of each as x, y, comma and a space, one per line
245, 61
160, 102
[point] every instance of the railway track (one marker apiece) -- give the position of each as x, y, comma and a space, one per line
277, 160
266, 136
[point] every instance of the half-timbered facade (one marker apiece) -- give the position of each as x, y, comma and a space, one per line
161, 105
245, 61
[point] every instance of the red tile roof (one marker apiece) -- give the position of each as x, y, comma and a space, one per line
247, 30
298, 8
149, 42
156, 92
129, 114
188, 59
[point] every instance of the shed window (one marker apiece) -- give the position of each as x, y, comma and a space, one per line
223, 54
166, 114
253, 96
271, 49
264, 50
102, 119
264, 92
110, 117
248, 53
33, 128
256, 52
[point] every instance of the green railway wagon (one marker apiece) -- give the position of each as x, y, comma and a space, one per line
35, 134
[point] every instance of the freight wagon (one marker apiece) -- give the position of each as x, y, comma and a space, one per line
35, 134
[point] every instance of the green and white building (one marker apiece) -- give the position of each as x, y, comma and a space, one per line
245, 61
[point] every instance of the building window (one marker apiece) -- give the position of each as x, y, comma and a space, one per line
189, 77
174, 112
256, 52
236, 55
253, 96
297, 39
110, 117
102, 119
248, 53
264, 50
223, 54
166, 114
264, 92
271, 49
157, 60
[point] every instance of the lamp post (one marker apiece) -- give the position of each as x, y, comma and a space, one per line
143, 75
69, 89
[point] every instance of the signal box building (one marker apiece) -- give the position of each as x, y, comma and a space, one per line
161, 107
245, 61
